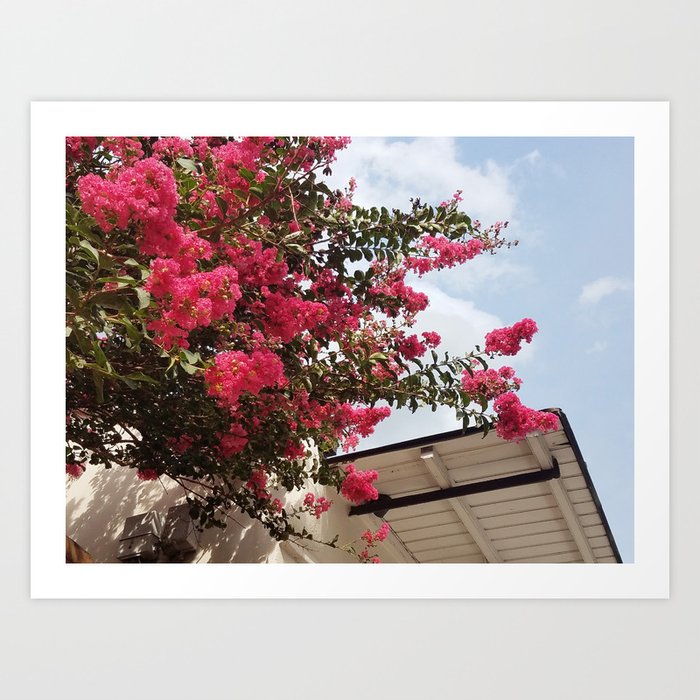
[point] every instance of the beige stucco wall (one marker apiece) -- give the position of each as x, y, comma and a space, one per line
98, 503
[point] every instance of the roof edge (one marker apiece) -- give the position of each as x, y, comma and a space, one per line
452, 434
587, 478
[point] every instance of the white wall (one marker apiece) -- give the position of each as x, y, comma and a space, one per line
98, 503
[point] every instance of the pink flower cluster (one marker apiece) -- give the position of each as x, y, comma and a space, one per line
172, 147
490, 382
181, 444
358, 421
357, 486
126, 149
411, 347
516, 421
317, 505
74, 470
79, 148
234, 441
236, 372
379, 536
507, 341
440, 252
147, 474
257, 483
407, 300
257, 266
191, 301
145, 193
288, 316
432, 339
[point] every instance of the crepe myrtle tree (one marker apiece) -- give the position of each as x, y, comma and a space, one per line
231, 319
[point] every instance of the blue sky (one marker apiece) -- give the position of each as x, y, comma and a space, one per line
570, 203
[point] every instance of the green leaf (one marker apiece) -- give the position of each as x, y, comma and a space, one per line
91, 249
99, 387
374, 357
222, 205
189, 165
73, 297
144, 297
140, 377
110, 300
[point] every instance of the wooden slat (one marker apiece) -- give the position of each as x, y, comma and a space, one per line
603, 551
405, 487
585, 508
535, 528
590, 519
517, 506
403, 471
435, 542
469, 559
574, 483
595, 531
516, 493
539, 550
418, 511
569, 469
419, 523
410, 536
573, 557
479, 451
579, 496
440, 553
531, 516
533, 540
493, 469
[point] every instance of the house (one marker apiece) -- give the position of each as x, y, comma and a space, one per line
455, 497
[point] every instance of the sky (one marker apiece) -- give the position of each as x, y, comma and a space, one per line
569, 202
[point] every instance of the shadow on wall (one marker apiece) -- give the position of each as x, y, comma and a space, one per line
99, 502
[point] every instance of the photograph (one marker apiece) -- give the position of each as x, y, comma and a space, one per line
340, 349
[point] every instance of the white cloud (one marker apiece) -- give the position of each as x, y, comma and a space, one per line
389, 173
593, 292
598, 346
494, 271
459, 322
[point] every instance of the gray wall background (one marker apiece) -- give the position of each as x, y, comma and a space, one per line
552, 49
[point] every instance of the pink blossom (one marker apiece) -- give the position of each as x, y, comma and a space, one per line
147, 474
126, 149
382, 533
74, 470
506, 341
257, 483
234, 441
515, 421
236, 372
357, 486
440, 252
410, 347
145, 193
277, 505
172, 147
490, 383
432, 339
